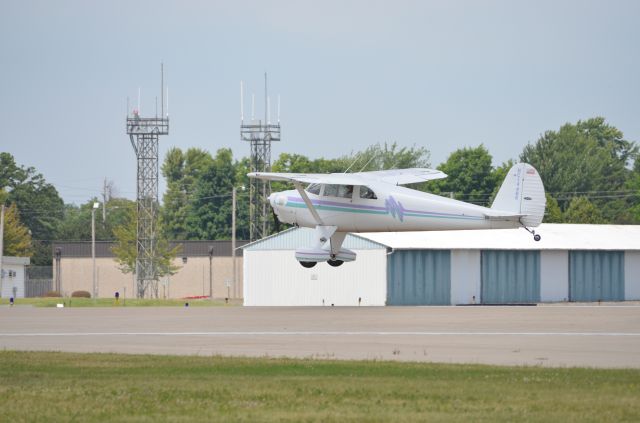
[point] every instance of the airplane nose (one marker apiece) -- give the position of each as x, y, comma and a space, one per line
277, 199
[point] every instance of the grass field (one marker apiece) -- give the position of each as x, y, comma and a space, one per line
110, 302
40, 386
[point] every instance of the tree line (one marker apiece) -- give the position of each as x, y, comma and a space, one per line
590, 172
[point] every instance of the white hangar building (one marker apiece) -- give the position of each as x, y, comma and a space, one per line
506, 266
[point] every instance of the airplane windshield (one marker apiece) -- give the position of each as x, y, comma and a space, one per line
365, 192
314, 189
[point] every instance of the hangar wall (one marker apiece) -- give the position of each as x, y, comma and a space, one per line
276, 279
419, 277
632, 275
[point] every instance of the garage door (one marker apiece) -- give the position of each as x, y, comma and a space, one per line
596, 275
510, 277
419, 277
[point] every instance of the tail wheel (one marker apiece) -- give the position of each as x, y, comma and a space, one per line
335, 263
537, 237
308, 264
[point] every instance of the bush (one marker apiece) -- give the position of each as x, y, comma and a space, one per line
52, 294
81, 294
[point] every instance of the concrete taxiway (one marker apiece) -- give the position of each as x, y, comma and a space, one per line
568, 335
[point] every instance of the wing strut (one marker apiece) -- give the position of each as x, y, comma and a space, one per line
308, 202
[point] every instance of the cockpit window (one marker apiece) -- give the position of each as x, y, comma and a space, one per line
314, 189
345, 191
365, 192
342, 191
330, 191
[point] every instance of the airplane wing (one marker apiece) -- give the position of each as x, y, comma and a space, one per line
393, 176
310, 178
404, 176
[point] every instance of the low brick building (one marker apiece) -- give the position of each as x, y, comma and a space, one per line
73, 270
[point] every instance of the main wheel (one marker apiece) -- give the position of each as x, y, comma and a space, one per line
335, 263
537, 237
308, 264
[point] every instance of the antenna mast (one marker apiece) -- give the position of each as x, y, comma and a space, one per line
144, 134
259, 134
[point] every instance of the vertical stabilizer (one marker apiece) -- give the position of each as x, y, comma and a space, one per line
522, 193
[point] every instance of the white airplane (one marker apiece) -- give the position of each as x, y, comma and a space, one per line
338, 203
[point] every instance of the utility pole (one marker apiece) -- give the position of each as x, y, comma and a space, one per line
233, 238
104, 201
93, 246
1, 244
211, 272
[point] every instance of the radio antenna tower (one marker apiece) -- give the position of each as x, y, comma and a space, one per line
259, 134
144, 133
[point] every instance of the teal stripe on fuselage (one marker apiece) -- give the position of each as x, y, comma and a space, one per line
361, 211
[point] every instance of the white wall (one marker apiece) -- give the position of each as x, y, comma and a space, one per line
275, 278
632, 275
554, 275
465, 276
17, 281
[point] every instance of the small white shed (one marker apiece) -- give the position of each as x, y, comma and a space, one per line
12, 276
273, 277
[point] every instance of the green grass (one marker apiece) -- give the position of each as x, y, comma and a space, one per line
41, 386
110, 302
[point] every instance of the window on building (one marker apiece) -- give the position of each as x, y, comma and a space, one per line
366, 192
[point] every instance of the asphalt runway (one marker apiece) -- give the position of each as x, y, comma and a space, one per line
561, 336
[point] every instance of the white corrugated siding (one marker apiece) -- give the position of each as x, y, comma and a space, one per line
554, 276
632, 275
274, 278
465, 276
17, 281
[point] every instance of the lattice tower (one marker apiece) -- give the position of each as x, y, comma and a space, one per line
144, 134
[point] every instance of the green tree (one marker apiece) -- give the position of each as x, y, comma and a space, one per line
38, 203
17, 239
126, 249
581, 210
470, 176
182, 171
210, 216
76, 222
552, 214
589, 158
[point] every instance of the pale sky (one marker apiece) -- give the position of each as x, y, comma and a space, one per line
438, 74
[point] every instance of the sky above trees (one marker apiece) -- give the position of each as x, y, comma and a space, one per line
441, 75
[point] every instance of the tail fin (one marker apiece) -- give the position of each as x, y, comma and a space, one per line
522, 193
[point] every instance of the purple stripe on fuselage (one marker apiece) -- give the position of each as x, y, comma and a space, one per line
336, 203
360, 206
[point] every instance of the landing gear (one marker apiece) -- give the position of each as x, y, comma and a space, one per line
536, 237
308, 264
335, 263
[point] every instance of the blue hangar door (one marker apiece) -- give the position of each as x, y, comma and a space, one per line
419, 277
510, 277
596, 275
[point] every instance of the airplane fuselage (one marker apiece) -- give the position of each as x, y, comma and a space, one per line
394, 209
